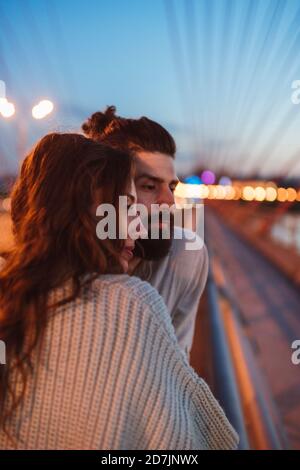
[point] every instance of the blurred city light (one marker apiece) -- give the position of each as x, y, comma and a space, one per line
203, 191
220, 192
225, 181
282, 195
260, 193
292, 194
212, 192
42, 109
193, 179
248, 193
208, 177
2, 89
271, 194
7, 109
240, 190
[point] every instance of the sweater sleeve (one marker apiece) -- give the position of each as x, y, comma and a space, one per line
169, 406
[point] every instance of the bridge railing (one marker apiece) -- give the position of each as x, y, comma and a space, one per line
237, 381
224, 376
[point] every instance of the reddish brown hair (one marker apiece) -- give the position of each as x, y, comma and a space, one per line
55, 240
129, 134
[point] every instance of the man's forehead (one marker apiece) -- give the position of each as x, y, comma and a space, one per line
155, 164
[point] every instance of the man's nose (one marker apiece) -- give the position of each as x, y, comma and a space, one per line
166, 197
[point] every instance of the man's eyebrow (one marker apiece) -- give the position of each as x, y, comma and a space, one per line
155, 178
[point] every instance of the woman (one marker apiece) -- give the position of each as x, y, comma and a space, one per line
92, 358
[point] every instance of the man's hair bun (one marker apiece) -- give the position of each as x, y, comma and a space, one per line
97, 123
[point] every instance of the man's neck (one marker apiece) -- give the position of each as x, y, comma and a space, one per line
133, 265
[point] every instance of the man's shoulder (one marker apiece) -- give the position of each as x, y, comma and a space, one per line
187, 245
181, 266
187, 261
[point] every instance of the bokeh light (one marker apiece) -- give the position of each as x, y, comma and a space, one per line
42, 109
208, 177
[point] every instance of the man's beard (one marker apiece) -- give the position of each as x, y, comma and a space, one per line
154, 249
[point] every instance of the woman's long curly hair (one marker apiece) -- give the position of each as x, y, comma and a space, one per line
55, 240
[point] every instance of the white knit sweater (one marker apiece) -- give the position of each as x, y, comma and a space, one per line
110, 375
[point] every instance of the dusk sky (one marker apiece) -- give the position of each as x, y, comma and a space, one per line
216, 73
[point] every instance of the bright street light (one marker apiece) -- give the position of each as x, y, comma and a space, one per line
7, 109
42, 109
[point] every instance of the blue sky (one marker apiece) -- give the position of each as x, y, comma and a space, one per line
216, 73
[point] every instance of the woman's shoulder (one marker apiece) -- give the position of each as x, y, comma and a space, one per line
139, 293
126, 284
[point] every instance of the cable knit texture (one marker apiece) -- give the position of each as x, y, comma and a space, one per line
110, 375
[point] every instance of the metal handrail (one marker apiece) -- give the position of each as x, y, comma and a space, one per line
225, 381
262, 403
226, 378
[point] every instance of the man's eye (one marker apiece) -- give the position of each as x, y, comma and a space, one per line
148, 187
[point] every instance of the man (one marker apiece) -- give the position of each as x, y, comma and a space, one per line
178, 274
